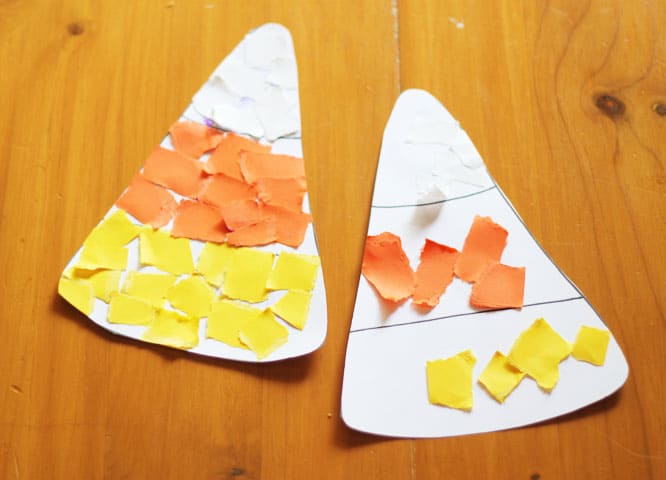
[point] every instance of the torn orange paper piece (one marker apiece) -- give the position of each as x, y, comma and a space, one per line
499, 286
484, 244
386, 267
222, 190
149, 203
241, 214
193, 139
173, 170
285, 192
199, 221
434, 273
291, 225
267, 165
226, 157
260, 233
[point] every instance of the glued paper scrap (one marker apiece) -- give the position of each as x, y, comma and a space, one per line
450, 381
386, 267
500, 265
215, 228
591, 345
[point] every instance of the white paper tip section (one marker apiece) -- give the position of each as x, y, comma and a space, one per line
254, 91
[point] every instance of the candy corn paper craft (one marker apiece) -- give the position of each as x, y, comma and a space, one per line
462, 323
211, 247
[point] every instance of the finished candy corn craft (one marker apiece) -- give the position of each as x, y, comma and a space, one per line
211, 248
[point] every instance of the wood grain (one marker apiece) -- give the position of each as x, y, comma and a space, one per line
88, 88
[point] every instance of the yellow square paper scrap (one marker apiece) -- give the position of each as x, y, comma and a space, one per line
450, 380
149, 287
192, 295
263, 334
105, 246
294, 271
246, 276
173, 329
160, 249
116, 229
293, 307
105, 282
225, 320
214, 261
591, 345
79, 293
499, 377
130, 311
538, 352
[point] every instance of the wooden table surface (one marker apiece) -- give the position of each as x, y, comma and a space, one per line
565, 100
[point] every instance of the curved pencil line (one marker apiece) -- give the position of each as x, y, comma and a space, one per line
439, 201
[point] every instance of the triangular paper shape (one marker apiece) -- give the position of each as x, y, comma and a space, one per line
215, 230
410, 371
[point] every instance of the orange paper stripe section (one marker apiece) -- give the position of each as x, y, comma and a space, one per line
173, 170
387, 268
286, 192
193, 139
266, 165
484, 244
222, 190
499, 286
226, 157
199, 221
147, 202
261, 233
291, 225
434, 273
242, 214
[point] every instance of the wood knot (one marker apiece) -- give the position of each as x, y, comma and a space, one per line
610, 105
75, 28
660, 109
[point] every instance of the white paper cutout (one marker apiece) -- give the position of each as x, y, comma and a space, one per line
255, 89
300, 342
384, 389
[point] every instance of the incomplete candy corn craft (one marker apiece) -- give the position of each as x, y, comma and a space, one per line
209, 248
452, 284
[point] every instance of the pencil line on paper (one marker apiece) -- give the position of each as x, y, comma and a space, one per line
438, 201
466, 314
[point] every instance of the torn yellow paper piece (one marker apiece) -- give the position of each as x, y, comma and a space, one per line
263, 334
591, 345
538, 352
294, 271
105, 248
158, 248
116, 229
499, 377
96, 256
130, 311
247, 275
173, 330
77, 292
214, 261
149, 287
293, 307
225, 320
105, 282
450, 380
192, 295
